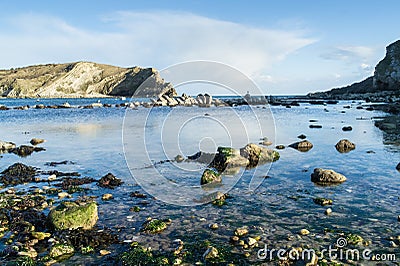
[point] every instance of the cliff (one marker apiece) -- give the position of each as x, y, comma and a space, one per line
385, 82
81, 79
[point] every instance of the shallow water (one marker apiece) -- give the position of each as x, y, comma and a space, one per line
275, 208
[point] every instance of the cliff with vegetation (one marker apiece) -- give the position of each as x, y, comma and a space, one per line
81, 79
384, 84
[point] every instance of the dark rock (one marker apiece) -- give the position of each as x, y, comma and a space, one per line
58, 173
25, 150
280, 147
58, 163
302, 146
344, 146
302, 136
347, 128
323, 201
70, 182
139, 195
109, 181
315, 126
202, 157
326, 177
398, 167
18, 173
36, 141
6, 145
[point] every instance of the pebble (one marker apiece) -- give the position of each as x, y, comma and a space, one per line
107, 196
62, 195
304, 232
251, 241
328, 211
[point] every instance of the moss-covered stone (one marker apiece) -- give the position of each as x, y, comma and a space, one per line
72, 215
210, 176
155, 226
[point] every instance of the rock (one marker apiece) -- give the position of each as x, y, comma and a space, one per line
344, 146
326, 176
398, 218
258, 155
234, 239
328, 211
211, 253
266, 143
210, 176
36, 141
155, 226
32, 253
17, 173
109, 181
62, 195
323, 201
72, 215
280, 147
302, 146
179, 158
216, 198
315, 126
241, 231
61, 250
6, 146
213, 226
398, 167
304, 232
107, 196
347, 128
25, 150
40, 235
52, 178
387, 71
251, 241
302, 136
227, 158
104, 252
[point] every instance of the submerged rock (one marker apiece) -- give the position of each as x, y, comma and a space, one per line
109, 181
302, 136
326, 177
344, 146
302, 146
210, 176
72, 215
18, 173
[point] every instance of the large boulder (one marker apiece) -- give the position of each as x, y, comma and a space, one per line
258, 155
344, 146
326, 177
302, 146
73, 215
228, 157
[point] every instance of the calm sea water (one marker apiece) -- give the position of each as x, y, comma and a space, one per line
126, 143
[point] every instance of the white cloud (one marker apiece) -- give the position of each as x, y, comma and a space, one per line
149, 39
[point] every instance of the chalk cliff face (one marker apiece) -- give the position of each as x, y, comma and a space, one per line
81, 79
384, 83
387, 72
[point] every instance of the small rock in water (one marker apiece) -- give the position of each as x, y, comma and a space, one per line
328, 211
210, 176
109, 181
251, 241
280, 147
302, 136
36, 141
326, 177
398, 218
347, 128
315, 126
398, 167
213, 226
241, 231
52, 177
211, 253
179, 158
302, 146
266, 143
304, 232
62, 195
104, 252
344, 146
322, 201
107, 196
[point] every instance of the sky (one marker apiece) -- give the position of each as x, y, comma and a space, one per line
285, 47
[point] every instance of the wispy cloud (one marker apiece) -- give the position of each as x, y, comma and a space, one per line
147, 38
360, 53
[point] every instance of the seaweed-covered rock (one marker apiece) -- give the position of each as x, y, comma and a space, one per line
326, 177
302, 146
18, 173
210, 176
344, 146
72, 215
155, 225
109, 181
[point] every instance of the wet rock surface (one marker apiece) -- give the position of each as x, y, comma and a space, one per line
326, 177
302, 146
344, 146
18, 173
109, 181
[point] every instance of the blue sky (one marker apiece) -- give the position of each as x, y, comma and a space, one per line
286, 47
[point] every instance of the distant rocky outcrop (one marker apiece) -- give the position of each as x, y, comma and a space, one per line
81, 79
384, 85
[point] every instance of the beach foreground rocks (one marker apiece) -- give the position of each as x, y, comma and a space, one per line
73, 215
326, 177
